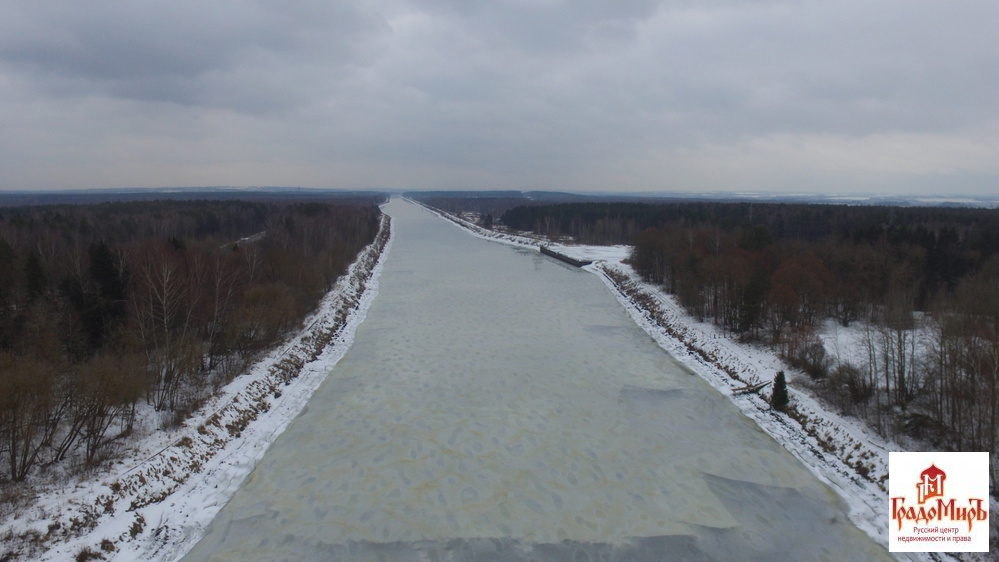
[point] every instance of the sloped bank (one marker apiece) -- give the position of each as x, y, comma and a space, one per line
854, 466
838, 451
159, 503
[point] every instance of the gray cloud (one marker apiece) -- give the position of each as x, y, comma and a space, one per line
190, 53
520, 94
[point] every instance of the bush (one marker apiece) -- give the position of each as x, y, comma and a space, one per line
807, 353
849, 386
88, 554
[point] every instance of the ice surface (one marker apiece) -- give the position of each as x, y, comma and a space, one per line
498, 404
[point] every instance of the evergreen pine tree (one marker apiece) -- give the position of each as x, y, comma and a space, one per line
779, 398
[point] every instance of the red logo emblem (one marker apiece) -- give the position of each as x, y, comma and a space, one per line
931, 484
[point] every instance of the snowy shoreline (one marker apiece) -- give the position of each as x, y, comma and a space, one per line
840, 451
158, 500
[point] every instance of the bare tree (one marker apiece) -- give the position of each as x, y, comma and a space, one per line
109, 389
26, 401
163, 308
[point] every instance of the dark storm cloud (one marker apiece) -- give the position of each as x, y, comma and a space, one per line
519, 94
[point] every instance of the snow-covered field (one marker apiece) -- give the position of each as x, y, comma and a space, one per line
157, 501
839, 450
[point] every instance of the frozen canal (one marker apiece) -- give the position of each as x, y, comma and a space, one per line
500, 405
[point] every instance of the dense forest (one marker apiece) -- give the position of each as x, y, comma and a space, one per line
109, 308
919, 281
490, 205
485, 207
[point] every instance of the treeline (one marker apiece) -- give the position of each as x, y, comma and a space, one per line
492, 207
922, 281
939, 245
104, 308
588, 223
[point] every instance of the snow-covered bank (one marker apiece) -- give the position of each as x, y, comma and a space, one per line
158, 500
840, 451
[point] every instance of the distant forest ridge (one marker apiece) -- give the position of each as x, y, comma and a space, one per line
514, 198
510, 198
91, 196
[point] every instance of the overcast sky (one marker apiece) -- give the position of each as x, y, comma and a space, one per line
834, 96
